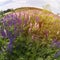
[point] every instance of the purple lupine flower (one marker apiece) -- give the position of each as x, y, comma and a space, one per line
11, 38
10, 35
11, 15
54, 40
10, 23
10, 46
37, 19
57, 54
13, 21
15, 18
58, 44
6, 18
55, 43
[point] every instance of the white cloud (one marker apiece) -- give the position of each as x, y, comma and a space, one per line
15, 4
21, 1
54, 4
2, 1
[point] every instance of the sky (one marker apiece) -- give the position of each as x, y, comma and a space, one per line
54, 5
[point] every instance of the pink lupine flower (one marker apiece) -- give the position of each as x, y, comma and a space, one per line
31, 24
29, 29
36, 26
46, 33
58, 32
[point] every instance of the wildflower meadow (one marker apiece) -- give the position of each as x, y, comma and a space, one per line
31, 34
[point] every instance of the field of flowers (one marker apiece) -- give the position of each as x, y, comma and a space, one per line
30, 35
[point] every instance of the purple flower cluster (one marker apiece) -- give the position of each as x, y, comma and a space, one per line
55, 43
12, 25
57, 54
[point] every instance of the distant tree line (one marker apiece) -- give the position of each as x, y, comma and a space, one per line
8, 10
